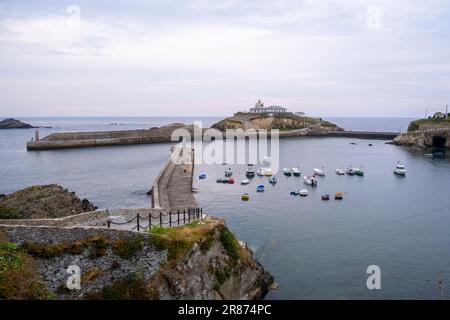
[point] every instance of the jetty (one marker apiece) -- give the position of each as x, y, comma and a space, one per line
172, 187
66, 140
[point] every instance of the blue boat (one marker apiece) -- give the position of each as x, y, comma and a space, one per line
260, 188
202, 176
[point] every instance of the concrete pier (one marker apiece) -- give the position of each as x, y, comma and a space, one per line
172, 188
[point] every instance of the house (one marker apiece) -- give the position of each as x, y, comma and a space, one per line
259, 108
299, 114
439, 115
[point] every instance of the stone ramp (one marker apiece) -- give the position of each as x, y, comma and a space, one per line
179, 189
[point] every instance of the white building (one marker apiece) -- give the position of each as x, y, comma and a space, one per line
259, 108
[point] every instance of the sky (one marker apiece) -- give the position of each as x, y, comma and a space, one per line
377, 58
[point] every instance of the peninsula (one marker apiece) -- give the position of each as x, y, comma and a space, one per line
432, 132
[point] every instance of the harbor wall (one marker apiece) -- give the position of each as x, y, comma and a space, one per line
57, 141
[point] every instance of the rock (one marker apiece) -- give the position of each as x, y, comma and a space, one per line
283, 122
45, 201
11, 123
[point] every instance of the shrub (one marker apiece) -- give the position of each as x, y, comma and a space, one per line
9, 213
230, 244
133, 287
18, 278
128, 248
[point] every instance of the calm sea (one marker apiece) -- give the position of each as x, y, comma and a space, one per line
315, 249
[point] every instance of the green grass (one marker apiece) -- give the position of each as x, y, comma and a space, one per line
128, 248
414, 125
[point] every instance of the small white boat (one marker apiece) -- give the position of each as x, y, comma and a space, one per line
319, 172
310, 181
260, 172
303, 192
350, 171
296, 172
245, 181
250, 171
287, 172
340, 172
265, 160
268, 172
400, 169
228, 172
272, 180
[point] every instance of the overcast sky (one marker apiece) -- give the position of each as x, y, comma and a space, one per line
204, 57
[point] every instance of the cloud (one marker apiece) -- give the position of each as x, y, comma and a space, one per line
180, 55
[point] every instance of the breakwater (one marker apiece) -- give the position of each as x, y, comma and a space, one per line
172, 188
67, 140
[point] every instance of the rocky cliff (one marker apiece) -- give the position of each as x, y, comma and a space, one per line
201, 260
44, 201
439, 138
14, 124
282, 122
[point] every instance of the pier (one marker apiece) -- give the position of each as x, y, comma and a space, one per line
172, 188
67, 140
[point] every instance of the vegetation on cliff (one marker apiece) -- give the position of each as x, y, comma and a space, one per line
18, 276
414, 125
46, 201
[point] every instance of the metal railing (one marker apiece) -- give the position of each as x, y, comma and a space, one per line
182, 216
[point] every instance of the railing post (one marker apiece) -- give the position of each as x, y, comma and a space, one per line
189, 215
170, 218
178, 217
149, 221
109, 224
184, 216
137, 221
160, 219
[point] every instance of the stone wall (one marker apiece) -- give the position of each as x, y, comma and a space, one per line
99, 271
97, 217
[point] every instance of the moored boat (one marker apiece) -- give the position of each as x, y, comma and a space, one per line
268, 172
340, 172
202, 176
260, 188
303, 192
359, 172
287, 172
296, 171
245, 181
272, 180
295, 192
222, 180
319, 172
245, 197
260, 172
265, 160
400, 169
326, 197
228, 172
310, 181
231, 181
250, 173
339, 196
350, 171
